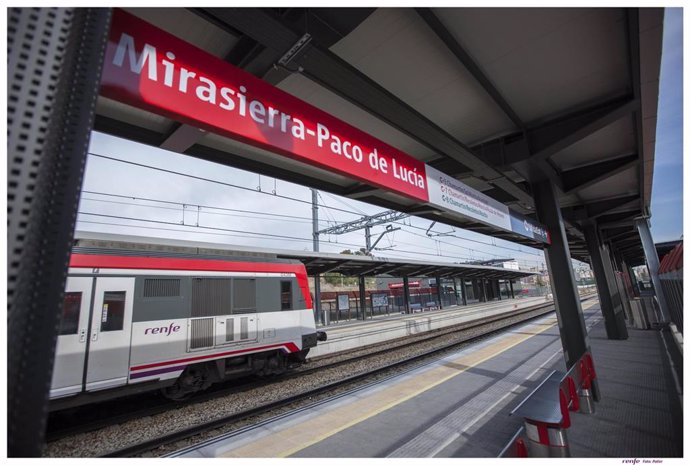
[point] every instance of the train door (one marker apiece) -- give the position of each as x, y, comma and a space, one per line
110, 333
70, 354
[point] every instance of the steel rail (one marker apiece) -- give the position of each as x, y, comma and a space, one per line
149, 445
148, 404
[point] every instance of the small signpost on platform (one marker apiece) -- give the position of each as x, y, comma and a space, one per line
379, 301
342, 303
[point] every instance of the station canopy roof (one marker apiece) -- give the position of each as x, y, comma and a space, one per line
315, 262
362, 265
497, 98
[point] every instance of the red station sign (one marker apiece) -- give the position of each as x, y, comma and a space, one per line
151, 69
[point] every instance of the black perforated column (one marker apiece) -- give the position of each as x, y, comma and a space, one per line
55, 56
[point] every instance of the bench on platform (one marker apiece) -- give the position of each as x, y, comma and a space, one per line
546, 411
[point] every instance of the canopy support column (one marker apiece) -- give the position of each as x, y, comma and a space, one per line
609, 297
571, 322
652, 260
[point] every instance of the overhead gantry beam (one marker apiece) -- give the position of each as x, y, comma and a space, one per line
613, 235
535, 144
594, 210
447, 38
332, 72
548, 138
617, 220
579, 178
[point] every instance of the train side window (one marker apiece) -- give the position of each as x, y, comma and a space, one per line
113, 311
244, 296
71, 305
286, 295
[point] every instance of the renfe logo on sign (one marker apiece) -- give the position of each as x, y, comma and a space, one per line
151, 69
148, 68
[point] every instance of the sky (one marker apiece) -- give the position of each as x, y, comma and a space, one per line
279, 222
667, 187
247, 209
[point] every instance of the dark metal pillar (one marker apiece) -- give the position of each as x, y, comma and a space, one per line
652, 265
618, 292
512, 292
464, 292
439, 292
363, 297
612, 266
609, 298
55, 57
571, 322
455, 289
498, 284
483, 286
406, 293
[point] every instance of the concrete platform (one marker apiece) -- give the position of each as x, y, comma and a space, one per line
641, 412
353, 335
459, 405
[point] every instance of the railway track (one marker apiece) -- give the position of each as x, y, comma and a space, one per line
464, 333
336, 359
87, 418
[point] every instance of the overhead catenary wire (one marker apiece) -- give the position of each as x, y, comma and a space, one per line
304, 202
154, 228
170, 202
215, 181
207, 207
361, 212
198, 230
471, 240
326, 209
205, 227
273, 217
244, 234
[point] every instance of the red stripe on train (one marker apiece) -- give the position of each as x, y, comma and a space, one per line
289, 346
191, 264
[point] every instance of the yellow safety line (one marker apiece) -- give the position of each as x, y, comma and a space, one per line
274, 444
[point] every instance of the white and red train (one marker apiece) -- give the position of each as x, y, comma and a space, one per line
179, 318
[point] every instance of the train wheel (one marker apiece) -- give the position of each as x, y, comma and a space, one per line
274, 365
277, 364
192, 380
298, 358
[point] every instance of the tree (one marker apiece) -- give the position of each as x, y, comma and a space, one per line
361, 251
